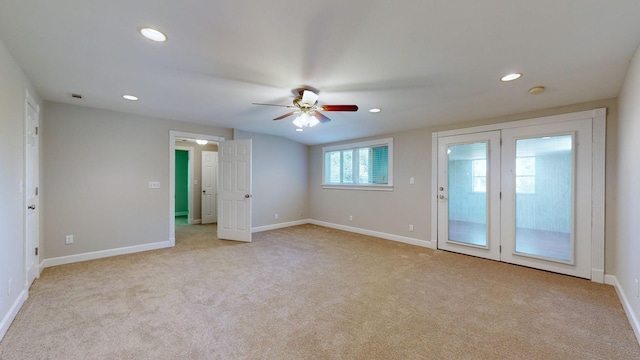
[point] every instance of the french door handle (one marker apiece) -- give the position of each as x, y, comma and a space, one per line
442, 197
32, 207
247, 196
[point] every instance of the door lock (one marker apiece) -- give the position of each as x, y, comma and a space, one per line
247, 196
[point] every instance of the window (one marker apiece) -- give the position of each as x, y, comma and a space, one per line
526, 175
479, 175
364, 165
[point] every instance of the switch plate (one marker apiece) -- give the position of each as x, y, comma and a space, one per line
276, 216
350, 217
68, 240
412, 180
410, 227
154, 184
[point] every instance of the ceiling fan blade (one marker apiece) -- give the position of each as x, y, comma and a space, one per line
287, 106
323, 119
309, 97
339, 107
285, 115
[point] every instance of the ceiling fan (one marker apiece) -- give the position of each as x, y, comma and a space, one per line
307, 108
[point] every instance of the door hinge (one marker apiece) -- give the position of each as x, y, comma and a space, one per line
500, 195
36, 130
36, 191
500, 141
36, 251
500, 248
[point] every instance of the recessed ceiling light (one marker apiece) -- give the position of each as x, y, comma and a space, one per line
130, 97
202, 142
511, 77
375, 110
299, 130
153, 34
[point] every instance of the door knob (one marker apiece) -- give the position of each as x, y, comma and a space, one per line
247, 196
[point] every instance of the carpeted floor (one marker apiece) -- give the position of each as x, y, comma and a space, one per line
309, 292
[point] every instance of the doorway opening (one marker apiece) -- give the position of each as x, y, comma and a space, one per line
192, 181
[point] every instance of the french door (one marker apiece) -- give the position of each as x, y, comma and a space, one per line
521, 195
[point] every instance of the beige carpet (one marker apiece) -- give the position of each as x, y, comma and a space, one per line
309, 292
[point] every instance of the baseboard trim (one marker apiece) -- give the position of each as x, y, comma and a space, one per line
181, 213
12, 313
196, 221
105, 253
279, 225
633, 318
392, 237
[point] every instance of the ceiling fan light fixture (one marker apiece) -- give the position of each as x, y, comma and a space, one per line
305, 120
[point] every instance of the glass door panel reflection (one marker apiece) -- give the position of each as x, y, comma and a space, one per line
543, 193
467, 184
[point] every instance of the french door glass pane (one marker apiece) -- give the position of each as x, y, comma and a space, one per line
467, 181
543, 186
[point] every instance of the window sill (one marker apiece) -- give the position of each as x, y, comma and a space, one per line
359, 187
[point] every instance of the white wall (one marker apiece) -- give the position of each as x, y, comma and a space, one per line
387, 212
13, 87
280, 179
390, 213
97, 166
627, 205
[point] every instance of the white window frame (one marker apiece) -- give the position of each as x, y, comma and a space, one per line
362, 144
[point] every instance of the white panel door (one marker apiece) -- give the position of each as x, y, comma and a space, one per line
31, 191
234, 190
209, 186
547, 197
469, 194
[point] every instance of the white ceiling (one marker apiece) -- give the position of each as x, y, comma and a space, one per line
424, 62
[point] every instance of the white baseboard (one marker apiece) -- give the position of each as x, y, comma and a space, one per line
105, 253
196, 221
181, 213
13, 311
398, 238
633, 318
279, 225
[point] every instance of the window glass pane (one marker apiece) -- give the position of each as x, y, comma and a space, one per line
380, 165
333, 166
467, 208
364, 173
544, 196
347, 166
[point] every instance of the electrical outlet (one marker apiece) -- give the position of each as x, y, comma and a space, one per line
350, 217
410, 227
154, 184
68, 240
276, 216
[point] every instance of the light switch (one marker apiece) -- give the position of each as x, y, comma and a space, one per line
154, 184
412, 180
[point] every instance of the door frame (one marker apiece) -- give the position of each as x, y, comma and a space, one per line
173, 135
189, 150
30, 101
598, 117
